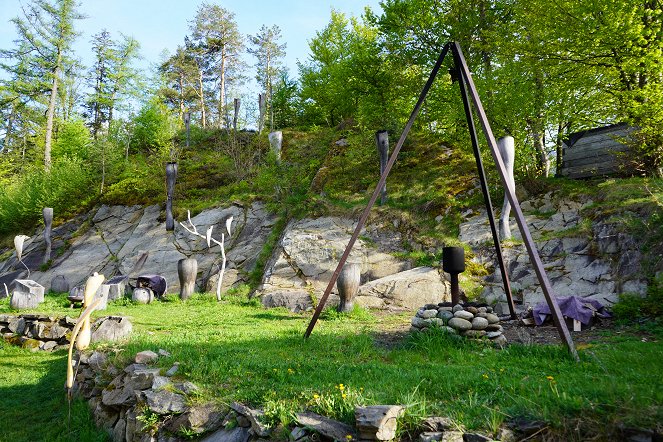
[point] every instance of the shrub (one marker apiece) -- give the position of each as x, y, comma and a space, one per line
632, 307
65, 189
154, 129
73, 140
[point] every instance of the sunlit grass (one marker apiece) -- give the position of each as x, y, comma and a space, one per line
237, 351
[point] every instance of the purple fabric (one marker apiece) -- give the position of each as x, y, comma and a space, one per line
574, 307
156, 283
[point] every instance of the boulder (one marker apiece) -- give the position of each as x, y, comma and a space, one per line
111, 328
327, 427
409, 289
378, 422
164, 401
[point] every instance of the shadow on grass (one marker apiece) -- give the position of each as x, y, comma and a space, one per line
275, 317
34, 405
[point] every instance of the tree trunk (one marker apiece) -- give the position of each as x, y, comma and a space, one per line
181, 81
538, 126
222, 90
201, 93
559, 152
51, 113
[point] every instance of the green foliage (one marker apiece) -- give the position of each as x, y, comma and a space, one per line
154, 129
73, 140
632, 308
65, 189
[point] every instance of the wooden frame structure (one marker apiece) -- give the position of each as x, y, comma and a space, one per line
470, 97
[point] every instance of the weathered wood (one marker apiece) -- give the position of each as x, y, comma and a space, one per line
171, 176
610, 158
596, 152
187, 270
347, 285
27, 294
588, 171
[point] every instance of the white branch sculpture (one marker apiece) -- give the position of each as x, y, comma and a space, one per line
208, 237
18, 245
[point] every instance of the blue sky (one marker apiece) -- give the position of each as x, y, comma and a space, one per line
162, 24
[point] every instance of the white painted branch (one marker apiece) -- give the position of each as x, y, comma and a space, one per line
208, 237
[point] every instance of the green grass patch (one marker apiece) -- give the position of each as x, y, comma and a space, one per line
236, 351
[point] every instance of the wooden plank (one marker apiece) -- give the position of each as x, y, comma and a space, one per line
603, 167
592, 161
607, 144
587, 171
598, 137
595, 153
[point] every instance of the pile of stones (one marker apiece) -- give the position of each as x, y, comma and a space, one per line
48, 333
475, 322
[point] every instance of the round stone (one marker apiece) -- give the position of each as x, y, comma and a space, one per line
472, 310
445, 308
457, 307
489, 309
462, 314
494, 327
436, 322
474, 333
479, 323
459, 324
499, 341
482, 315
492, 318
445, 314
419, 322
482, 310
493, 334
427, 314
448, 330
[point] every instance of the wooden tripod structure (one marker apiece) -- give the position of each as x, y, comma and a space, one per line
470, 97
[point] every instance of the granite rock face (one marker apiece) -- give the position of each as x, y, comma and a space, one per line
111, 241
589, 259
309, 252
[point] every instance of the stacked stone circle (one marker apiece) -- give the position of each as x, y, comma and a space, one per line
468, 321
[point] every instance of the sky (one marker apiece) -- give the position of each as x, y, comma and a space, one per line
162, 24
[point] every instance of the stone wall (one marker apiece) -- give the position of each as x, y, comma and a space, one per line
42, 332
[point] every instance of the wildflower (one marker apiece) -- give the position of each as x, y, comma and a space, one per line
316, 397
348, 436
550, 378
485, 376
291, 371
501, 370
341, 387
344, 395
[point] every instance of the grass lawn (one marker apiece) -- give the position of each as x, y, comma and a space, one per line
235, 350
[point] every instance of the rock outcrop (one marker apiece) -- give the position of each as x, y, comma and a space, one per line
112, 240
593, 259
310, 250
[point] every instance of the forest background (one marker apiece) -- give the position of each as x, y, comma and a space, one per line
543, 69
